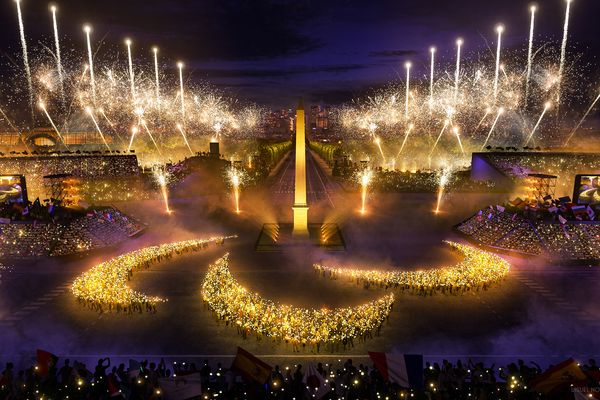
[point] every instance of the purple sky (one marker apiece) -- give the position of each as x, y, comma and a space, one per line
273, 51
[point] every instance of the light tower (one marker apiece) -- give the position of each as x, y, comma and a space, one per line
300, 206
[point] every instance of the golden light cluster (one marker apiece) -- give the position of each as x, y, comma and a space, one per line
106, 283
299, 326
477, 270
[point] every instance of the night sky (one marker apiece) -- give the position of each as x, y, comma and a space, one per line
273, 51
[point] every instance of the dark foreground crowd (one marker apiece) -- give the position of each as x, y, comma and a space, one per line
343, 380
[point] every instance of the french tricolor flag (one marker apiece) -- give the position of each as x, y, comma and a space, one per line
404, 369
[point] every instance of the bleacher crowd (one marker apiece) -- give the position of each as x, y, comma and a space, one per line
97, 228
180, 170
521, 164
512, 229
396, 180
92, 170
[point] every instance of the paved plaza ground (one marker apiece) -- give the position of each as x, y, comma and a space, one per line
540, 311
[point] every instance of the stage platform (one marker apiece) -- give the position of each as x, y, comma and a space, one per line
278, 237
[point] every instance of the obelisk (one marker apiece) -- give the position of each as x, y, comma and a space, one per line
300, 207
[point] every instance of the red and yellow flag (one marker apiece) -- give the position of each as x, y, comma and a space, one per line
45, 362
559, 376
251, 367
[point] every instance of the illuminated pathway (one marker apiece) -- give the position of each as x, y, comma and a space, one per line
319, 186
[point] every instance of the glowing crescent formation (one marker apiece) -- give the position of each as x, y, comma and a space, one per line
106, 283
478, 269
250, 312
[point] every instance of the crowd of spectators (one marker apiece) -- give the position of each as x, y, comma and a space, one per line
550, 209
396, 180
564, 165
399, 181
85, 167
515, 230
107, 190
569, 241
342, 380
76, 164
523, 239
386, 180
47, 210
28, 240
258, 166
98, 228
521, 164
105, 287
180, 170
427, 181
95, 229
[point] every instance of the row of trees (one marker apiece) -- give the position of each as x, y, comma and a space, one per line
267, 157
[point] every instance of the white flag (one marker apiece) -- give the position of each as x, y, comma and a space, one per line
315, 382
181, 387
